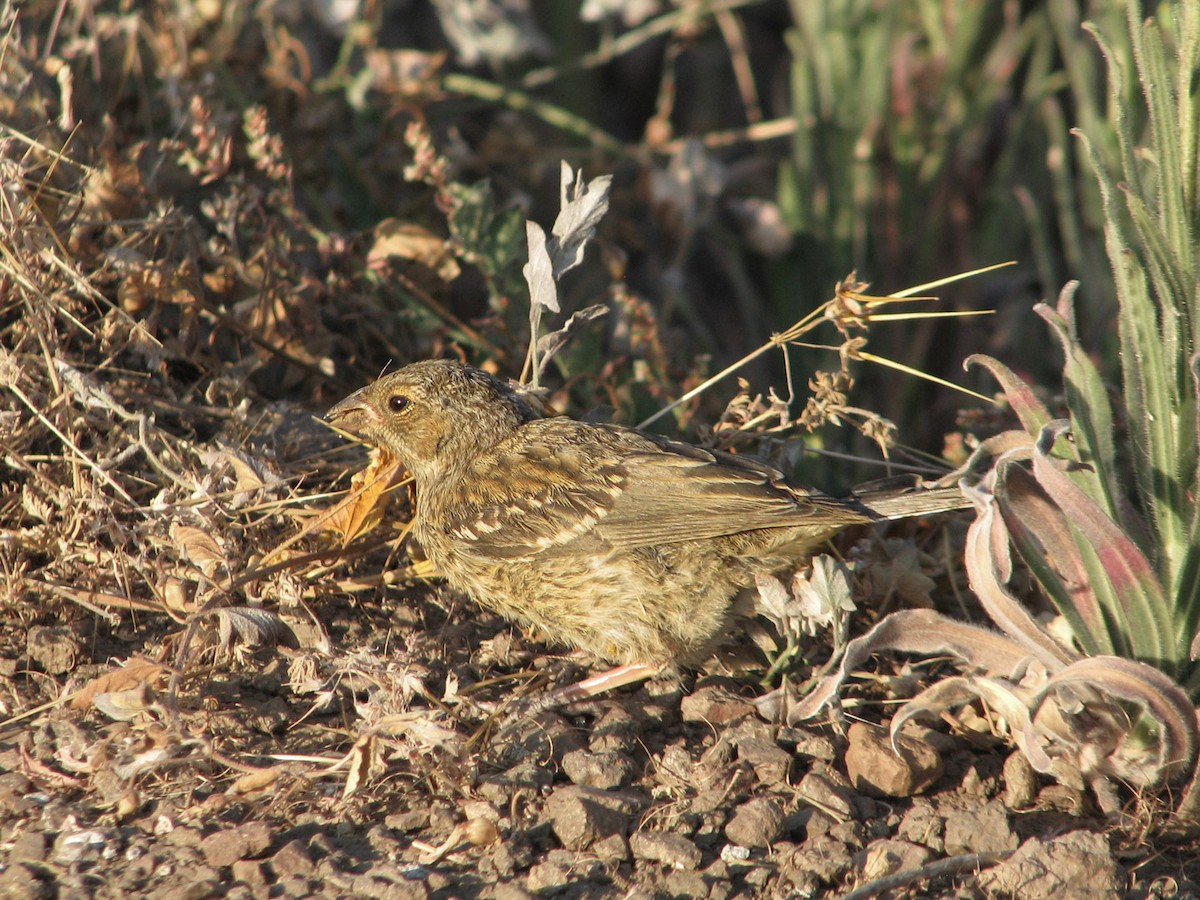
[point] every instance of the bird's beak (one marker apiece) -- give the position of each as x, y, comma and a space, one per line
354, 413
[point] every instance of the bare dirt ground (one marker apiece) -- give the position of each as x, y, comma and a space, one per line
212, 687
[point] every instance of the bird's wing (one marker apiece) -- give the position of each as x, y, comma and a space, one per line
670, 498
607, 486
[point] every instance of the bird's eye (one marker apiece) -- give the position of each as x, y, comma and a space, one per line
397, 403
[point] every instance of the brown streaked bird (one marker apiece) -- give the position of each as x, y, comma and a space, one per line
622, 543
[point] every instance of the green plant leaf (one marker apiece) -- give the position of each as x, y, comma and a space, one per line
1091, 412
1043, 537
1124, 573
988, 566
1024, 402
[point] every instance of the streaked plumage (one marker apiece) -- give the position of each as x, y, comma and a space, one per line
622, 543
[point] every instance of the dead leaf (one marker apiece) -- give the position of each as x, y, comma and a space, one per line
198, 547
175, 596
254, 627
416, 244
364, 506
363, 758
44, 776
136, 672
405, 73
420, 728
256, 780
125, 705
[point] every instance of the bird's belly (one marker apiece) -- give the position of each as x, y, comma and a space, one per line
649, 605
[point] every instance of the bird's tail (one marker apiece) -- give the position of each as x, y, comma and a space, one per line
887, 501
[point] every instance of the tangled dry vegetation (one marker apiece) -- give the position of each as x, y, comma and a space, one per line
222, 674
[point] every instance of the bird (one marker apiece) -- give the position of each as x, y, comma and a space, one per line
622, 543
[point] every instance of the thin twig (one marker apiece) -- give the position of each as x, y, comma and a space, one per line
942, 868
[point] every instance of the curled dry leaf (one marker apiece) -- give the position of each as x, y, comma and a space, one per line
125, 705
403, 240
365, 505
253, 627
257, 780
421, 729
198, 547
137, 672
251, 475
365, 758
581, 209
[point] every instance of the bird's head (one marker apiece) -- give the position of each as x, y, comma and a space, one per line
435, 416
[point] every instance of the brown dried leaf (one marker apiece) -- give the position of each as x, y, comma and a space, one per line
364, 506
135, 673
407, 73
364, 758
127, 704
44, 776
421, 728
414, 243
198, 547
256, 780
253, 627
249, 478
176, 597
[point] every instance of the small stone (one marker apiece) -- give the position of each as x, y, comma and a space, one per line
510, 890
184, 837
612, 731
757, 823
973, 784
548, 876
371, 885
771, 763
294, 886
816, 746
407, 820
826, 857
547, 736
607, 770
226, 847
889, 856
817, 822
875, 768
850, 833
1063, 798
560, 868
258, 837
29, 846
19, 881
682, 884
715, 705
82, 846
1020, 781
292, 859
613, 848
222, 848
923, 825
830, 798
979, 829
1075, 866
664, 847
188, 887
52, 647
580, 816
249, 872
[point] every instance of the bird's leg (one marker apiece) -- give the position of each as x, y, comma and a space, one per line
606, 681
588, 687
